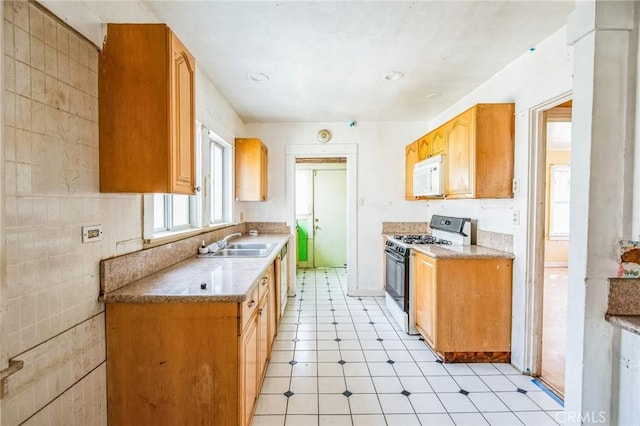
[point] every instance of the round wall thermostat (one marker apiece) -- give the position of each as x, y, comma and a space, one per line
324, 136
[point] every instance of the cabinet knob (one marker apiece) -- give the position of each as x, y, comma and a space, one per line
252, 303
260, 312
265, 280
197, 188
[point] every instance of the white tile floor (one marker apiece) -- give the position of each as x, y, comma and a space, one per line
342, 360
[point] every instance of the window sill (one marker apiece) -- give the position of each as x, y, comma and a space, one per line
170, 237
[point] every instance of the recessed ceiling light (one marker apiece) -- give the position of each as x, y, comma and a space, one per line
258, 76
393, 75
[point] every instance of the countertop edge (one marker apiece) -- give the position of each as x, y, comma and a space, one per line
455, 255
629, 323
111, 298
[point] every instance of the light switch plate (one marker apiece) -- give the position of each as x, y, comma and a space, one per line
91, 233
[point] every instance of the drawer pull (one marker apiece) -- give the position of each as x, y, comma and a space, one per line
251, 304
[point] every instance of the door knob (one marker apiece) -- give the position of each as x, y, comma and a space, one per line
317, 220
317, 227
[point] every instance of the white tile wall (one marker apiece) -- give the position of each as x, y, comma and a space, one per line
53, 320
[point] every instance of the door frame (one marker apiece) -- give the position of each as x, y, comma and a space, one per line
536, 210
350, 152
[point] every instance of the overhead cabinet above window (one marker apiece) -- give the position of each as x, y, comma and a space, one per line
147, 113
252, 164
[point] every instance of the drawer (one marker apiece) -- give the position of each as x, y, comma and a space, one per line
248, 307
263, 286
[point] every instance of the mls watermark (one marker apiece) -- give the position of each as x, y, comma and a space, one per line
576, 417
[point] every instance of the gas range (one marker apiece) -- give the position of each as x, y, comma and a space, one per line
447, 231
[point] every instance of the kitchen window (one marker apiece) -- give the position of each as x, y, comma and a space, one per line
218, 181
559, 197
168, 214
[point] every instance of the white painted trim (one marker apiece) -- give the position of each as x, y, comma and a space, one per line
534, 271
350, 152
4, 353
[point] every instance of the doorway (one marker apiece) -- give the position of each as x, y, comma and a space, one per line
549, 241
324, 151
321, 212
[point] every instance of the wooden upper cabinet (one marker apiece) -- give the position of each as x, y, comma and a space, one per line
146, 98
252, 169
438, 141
411, 158
480, 150
459, 165
424, 147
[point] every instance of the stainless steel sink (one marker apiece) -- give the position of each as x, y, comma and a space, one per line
242, 250
251, 246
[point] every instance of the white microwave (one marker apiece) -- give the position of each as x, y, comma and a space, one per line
428, 177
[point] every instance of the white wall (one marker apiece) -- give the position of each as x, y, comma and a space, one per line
380, 182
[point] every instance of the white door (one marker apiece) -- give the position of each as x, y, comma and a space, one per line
330, 218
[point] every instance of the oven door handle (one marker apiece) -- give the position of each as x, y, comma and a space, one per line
394, 256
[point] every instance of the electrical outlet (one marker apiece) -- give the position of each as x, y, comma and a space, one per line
515, 217
515, 186
91, 233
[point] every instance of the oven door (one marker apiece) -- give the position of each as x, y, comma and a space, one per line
397, 279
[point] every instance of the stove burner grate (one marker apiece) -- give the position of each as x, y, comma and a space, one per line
421, 239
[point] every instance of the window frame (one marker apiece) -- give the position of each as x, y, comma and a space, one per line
200, 216
555, 234
227, 180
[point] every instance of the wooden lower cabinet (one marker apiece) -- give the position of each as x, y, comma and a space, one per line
249, 356
188, 363
425, 279
463, 307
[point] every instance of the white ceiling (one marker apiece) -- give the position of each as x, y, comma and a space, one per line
325, 60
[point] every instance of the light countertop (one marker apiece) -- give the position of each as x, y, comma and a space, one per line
227, 279
459, 252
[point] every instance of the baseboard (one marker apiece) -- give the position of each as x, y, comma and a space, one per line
369, 292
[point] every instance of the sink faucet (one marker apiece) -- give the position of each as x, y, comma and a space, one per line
223, 242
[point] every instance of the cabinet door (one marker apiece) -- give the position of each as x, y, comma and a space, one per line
264, 172
249, 364
411, 158
272, 307
424, 147
438, 141
182, 81
263, 338
460, 155
252, 161
425, 291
